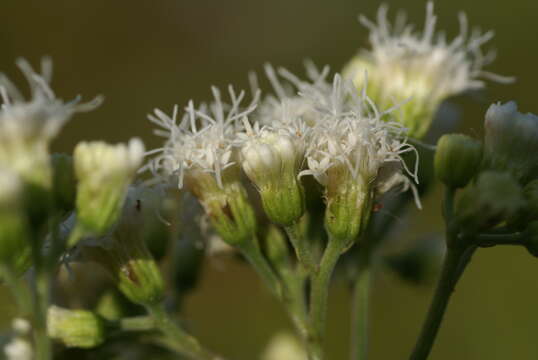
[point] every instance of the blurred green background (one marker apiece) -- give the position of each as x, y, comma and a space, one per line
147, 54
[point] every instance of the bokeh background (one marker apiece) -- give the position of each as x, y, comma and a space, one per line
147, 54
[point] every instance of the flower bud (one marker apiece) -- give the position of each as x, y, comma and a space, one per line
494, 198
15, 250
511, 141
272, 163
227, 205
124, 252
457, 159
64, 182
104, 172
349, 203
75, 328
277, 248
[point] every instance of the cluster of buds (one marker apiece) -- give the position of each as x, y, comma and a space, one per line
500, 177
421, 67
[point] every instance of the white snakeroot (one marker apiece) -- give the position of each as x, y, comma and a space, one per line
355, 137
422, 65
19, 349
27, 127
200, 146
511, 140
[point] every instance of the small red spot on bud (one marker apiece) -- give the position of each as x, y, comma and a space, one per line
377, 207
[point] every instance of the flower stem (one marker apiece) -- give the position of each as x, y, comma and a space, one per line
360, 310
178, 339
319, 294
252, 252
452, 269
301, 247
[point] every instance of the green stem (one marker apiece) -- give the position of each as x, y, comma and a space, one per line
252, 252
360, 310
136, 323
319, 294
301, 247
183, 343
294, 298
488, 240
452, 269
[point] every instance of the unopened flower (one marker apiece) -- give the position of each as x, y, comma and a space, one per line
28, 126
511, 141
200, 153
272, 161
421, 66
457, 159
75, 328
15, 247
104, 173
356, 155
124, 253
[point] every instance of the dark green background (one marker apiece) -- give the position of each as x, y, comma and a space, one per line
147, 54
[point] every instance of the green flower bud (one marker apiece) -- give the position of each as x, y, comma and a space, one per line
227, 204
511, 141
349, 204
494, 198
272, 162
457, 159
15, 249
277, 249
75, 328
124, 253
64, 183
104, 172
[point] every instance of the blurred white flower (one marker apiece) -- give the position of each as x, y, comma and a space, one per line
422, 65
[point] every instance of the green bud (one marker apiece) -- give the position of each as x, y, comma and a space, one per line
64, 183
226, 204
494, 198
124, 252
272, 162
104, 172
457, 159
75, 328
277, 249
349, 204
15, 249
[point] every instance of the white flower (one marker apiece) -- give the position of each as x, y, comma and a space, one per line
422, 65
511, 140
354, 137
19, 349
200, 146
104, 173
97, 162
27, 127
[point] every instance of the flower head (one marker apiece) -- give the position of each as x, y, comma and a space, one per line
423, 66
27, 127
511, 141
200, 152
356, 154
104, 173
